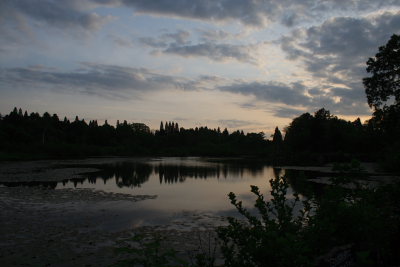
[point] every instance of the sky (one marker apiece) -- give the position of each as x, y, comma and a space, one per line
242, 64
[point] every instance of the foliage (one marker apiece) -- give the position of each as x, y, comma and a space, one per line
277, 136
365, 220
383, 94
36, 136
322, 135
385, 69
274, 238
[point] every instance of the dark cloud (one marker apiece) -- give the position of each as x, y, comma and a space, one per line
284, 112
248, 12
217, 52
178, 44
335, 53
254, 13
214, 35
104, 80
117, 82
298, 97
167, 39
338, 49
62, 14
293, 94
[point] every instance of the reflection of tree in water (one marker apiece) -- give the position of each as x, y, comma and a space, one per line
75, 181
298, 180
134, 174
127, 174
237, 168
179, 173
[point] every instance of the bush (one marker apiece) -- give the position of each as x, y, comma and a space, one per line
355, 227
275, 237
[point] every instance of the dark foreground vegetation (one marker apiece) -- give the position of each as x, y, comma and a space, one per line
342, 227
357, 226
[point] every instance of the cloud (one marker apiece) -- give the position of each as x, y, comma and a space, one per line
253, 13
208, 35
248, 12
179, 44
335, 52
234, 123
338, 49
95, 79
115, 82
163, 41
61, 14
284, 112
216, 52
296, 97
293, 94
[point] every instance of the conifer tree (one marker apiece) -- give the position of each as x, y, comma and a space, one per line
277, 138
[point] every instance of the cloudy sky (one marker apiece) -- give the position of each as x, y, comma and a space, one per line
241, 64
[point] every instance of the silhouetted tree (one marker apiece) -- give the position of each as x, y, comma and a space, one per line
322, 114
385, 80
277, 137
47, 135
161, 127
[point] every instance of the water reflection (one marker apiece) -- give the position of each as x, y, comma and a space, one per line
133, 174
179, 173
182, 186
185, 187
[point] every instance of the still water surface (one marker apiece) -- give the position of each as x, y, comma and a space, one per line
182, 186
189, 191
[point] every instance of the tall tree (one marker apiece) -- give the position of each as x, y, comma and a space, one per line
384, 84
277, 138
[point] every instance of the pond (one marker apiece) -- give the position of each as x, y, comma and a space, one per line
189, 190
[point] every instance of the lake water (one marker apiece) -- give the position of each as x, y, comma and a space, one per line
184, 186
189, 190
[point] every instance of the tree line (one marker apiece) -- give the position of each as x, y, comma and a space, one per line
40, 136
318, 138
